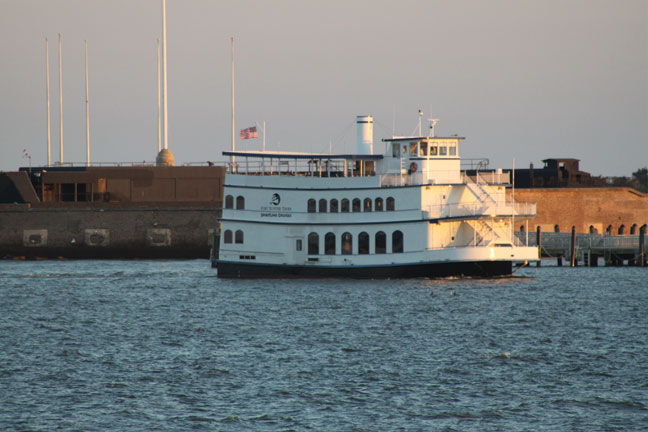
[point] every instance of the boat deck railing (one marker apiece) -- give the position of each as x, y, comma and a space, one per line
479, 209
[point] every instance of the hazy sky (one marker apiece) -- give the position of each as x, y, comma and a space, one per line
519, 79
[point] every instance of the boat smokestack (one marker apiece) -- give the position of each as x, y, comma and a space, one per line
365, 134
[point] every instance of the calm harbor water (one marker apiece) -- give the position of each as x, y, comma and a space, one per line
166, 345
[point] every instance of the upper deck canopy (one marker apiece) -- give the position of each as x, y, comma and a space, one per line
296, 155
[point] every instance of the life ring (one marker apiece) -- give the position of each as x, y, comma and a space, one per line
413, 167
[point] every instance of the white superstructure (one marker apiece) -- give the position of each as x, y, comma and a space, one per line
408, 211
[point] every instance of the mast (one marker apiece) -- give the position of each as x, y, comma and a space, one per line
87, 106
60, 98
233, 107
47, 86
164, 53
159, 97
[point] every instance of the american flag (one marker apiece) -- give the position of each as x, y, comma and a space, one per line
248, 133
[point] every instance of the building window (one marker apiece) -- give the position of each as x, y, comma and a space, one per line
397, 242
363, 243
240, 203
313, 244
229, 202
329, 244
356, 204
621, 229
227, 236
381, 242
391, 205
521, 228
334, 206
379, 204
556, 228
633, 229
345, 205
347, 244
593, 230
238, 237
322, 206
608, 230
311, 205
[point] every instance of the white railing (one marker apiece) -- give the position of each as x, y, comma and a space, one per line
504, 209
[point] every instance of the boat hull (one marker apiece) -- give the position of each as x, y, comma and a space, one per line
401, 271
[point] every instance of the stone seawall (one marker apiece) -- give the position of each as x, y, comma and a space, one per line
107, 232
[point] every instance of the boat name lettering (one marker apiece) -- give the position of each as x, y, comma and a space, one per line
276, 211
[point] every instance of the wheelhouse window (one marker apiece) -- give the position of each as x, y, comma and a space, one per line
311, 205
379, 204
329, 244
240, 203
229, 202
413, 149
347, 244
395, 150
322, 205
424, 148
227, 236
433, 150
443, 150
367, 204
452, 150
381, 242
238, 237
397, 242
334, 206
356, 204
391, 204
363, 243
313, 244
345, 205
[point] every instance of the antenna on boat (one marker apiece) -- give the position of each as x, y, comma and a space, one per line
85, 42
47, 86
60, 98
433, 123
420, 119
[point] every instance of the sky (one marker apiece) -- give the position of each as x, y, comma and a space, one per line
522, 80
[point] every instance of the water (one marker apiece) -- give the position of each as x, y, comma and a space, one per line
166, 345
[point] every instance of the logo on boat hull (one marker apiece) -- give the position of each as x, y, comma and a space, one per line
276, 199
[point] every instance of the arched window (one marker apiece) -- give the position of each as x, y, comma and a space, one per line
643, 229
229, 202
334, 206
363, 243
391, 205
313, 244
347, 244
311, 205
608, 230
633, 229
521, 228
240, 203
379, 204
381, 242
593, 230
322, 205
329, 244
238, 237
356, 204
556, 228
227, 236
397, 242
367, 204
345, 205
621, 229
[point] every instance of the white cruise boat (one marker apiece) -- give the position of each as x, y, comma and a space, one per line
408, 211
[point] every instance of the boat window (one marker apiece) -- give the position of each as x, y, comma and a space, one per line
229, 202
311, 206
413, 149
379, 204
334, 206
443, 150
240, 203
313, 244
356, 204
391, 205
363, 243
329, 244
227, 236
298, 245
345, 205
404, 148
367, 204
397, 242
433, 150
322, 205
395, 149
347, 244
238, 237
424, 148
453, 150
381, 242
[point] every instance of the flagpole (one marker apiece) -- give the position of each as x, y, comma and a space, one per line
87, 106
47, 74
164, 70
159, 107
233, 107
60, 98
